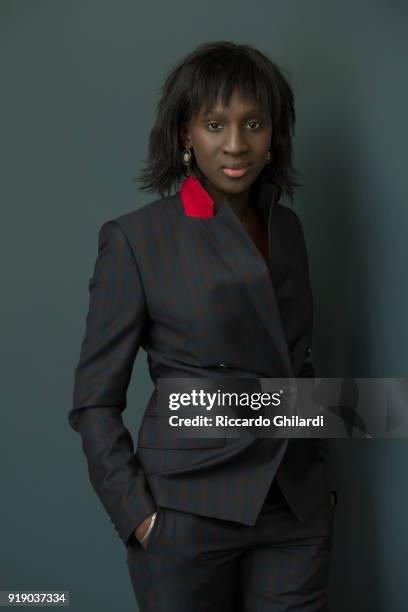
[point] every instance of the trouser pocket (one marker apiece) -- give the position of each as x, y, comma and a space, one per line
155, 529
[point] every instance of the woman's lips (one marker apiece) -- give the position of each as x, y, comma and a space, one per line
235, 172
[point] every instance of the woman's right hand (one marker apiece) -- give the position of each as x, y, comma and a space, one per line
141, 530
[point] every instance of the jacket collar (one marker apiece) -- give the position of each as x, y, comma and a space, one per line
198, 203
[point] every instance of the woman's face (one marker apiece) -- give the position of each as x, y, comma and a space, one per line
230, 144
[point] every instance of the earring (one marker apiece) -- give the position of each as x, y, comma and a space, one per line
186, 157
269, 158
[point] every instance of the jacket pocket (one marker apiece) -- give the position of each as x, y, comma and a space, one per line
156, 432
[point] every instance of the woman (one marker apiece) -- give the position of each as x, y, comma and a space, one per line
213, 283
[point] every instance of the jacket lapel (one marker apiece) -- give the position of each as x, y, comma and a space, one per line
225, 232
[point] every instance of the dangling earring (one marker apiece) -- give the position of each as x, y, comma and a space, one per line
186, 157
269, 158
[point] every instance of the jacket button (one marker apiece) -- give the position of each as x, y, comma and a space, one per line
308, 350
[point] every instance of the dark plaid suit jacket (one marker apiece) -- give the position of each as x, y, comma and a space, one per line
187, 283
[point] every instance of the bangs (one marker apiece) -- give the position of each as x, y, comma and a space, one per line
216, 77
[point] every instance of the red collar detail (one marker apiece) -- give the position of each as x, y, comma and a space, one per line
196, 201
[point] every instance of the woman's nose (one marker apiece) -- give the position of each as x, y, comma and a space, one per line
234, 142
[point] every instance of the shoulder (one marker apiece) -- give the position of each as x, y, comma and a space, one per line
162, 208
288, 232
140, 231
288, 219
287, 214
149, 217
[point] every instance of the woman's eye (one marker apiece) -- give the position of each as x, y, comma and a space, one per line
214, 125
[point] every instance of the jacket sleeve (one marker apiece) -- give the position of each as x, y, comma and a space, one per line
308, 371
115, 323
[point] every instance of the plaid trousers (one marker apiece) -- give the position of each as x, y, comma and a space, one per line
195, 563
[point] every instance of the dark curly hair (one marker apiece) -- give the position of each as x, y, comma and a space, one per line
211, 72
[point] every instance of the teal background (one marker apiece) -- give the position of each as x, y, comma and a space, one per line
80, 82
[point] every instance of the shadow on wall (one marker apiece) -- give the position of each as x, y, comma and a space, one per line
341, 198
